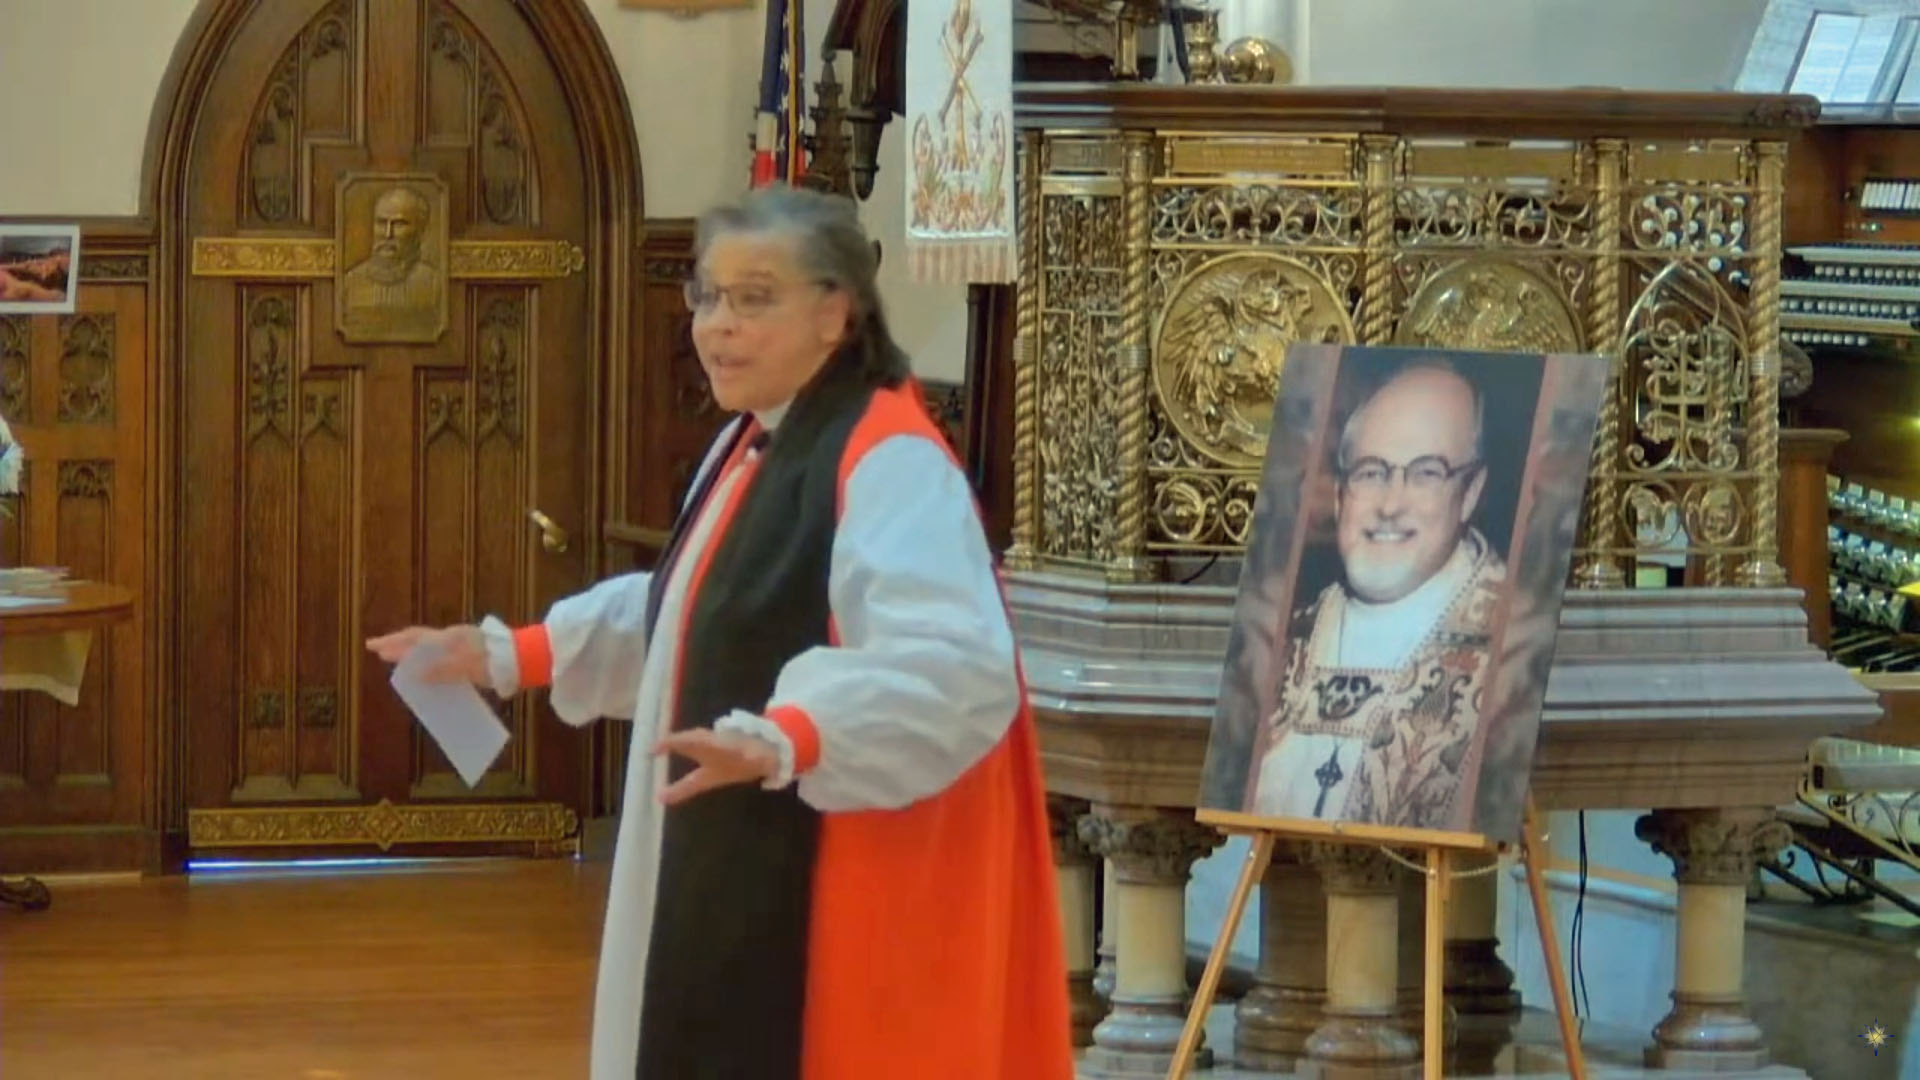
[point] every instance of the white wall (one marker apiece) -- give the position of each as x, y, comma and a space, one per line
692, 84
1634, 44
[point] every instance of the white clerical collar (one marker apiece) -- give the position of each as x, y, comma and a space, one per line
770, 418
1386, 635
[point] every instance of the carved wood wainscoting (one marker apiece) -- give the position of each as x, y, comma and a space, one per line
394, 290
75, 781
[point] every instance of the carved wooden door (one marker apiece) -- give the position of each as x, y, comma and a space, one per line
388, 369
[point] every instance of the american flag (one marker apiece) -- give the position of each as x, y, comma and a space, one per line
777, 155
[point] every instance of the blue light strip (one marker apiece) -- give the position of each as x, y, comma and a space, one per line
196, 866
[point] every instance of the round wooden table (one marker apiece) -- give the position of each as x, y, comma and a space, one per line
77, 605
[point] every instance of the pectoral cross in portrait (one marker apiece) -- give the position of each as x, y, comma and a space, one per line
1328, 774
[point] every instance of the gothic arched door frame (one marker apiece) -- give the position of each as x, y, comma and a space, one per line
597, 99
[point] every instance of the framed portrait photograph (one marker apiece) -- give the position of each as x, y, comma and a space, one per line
39, 269
1401, 592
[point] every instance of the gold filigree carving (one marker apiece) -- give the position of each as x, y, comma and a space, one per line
270, 347
16, 373
382, 825
86, 369
1257, 156
1223, 340
1079, 375
262, 257
1490, 306
517, 260
86, 479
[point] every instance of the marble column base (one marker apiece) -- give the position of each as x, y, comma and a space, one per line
1355, 1047
1271, 1026
1088, 1007
1478, 982
1138, 1039
1707, 1035
1474, 1045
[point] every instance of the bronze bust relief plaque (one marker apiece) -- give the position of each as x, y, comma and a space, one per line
392, 270
1223, 339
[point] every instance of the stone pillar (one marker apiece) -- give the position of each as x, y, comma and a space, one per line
1152, 853
1482, 1003
1713, 853
1274, 1020
1103, 969
1076, 868
1361, 1037
1479, 983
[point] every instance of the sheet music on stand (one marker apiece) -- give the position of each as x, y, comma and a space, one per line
455, 714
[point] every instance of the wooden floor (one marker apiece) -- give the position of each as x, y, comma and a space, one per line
468, 970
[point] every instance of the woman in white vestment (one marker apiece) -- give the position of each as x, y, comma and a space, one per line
833, 857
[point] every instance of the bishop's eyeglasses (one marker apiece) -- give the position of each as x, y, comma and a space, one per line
749, 301
1423, 475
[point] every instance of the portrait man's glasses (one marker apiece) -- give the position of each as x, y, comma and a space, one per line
1424, 475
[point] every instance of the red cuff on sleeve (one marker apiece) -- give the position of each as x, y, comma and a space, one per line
533, 650
799, 730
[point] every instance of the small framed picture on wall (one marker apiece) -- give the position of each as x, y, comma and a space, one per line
39, 269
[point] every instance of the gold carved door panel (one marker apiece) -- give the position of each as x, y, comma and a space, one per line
389, 368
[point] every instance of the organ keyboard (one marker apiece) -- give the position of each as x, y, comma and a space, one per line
1848, 295
1873, 544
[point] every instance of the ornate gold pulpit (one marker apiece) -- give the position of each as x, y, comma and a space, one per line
1174, 242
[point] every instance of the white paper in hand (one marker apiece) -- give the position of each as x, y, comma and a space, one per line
453, 713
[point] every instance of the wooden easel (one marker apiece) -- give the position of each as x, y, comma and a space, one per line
1440, 847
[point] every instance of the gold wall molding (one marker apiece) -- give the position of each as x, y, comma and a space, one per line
263, 257
271, 258
516, 260
383, 825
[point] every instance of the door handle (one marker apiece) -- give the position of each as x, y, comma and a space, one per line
552, 537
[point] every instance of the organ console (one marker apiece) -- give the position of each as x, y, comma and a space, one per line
1850, 298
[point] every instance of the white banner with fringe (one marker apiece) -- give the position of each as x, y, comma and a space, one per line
959, 144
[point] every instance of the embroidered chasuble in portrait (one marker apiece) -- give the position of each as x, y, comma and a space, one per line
884, 906
1381, 703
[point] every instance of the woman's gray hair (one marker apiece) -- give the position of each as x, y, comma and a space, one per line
833, 250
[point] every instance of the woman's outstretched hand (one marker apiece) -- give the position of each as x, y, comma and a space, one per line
463, 652
722, 758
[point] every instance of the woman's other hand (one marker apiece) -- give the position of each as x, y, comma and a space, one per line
722, 758
463, 652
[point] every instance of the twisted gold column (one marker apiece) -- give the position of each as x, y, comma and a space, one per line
1376, 288
1598, 568
1021, 552
1762, 568
1130, 508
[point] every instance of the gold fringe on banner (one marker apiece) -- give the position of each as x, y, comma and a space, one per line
963, 262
